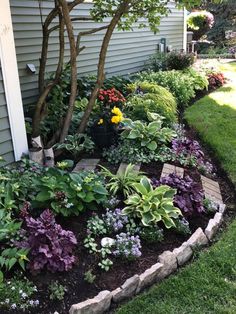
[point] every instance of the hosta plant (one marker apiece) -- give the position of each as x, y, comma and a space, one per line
152, 205
50, 246
149, 135
122, 181
189, 197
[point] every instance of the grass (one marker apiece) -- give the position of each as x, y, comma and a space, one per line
214, 118
208, 285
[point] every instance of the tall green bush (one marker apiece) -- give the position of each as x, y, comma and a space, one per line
151, 97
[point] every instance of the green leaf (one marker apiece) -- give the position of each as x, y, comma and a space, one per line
1, 277
146, 183
152, 145
43, 196
11, 262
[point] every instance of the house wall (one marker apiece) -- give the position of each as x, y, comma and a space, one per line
6, 147
127, 53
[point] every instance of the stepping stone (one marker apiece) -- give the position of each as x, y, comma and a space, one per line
168, 169
212, 190
123, 166
86, 164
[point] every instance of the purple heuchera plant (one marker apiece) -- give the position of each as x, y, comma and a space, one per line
187, 147
50, 246
190, 151
189, 197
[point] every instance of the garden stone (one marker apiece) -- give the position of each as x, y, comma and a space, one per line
86, 164
211, 190
127, 290
198, 239
123, 166
213, 226
222, 208
97, 305
169, 261
149, 276
183, 253
169, 169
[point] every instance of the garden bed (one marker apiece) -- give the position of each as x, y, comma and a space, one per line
77, 289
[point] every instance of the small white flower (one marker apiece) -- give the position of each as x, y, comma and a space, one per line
35, 289
13, 288
20, 291
13, 306
8, 282
36, 302
7, 301
31, 302
24, 295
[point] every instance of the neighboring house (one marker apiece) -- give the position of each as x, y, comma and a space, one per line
127, 53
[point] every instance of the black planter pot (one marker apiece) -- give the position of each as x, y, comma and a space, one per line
104, 136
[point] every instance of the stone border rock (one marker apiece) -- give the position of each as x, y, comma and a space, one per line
167, 263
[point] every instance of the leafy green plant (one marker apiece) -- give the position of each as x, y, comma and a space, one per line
122, 181
151, 98
152, 205
12, 256
17, 294
56, 291
69, 193
149, 135
157, 62
76, 144
152, 234
89, 277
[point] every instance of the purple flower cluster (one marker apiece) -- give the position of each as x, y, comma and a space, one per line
114, 220
50, 246
127, 246
189, 197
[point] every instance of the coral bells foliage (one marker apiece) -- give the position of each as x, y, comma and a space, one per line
50, 246
189, 197
216, 80
110, 102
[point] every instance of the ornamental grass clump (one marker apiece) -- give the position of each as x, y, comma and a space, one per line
51, 247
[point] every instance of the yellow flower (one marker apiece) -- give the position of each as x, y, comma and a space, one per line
100, 121
115, 119
117, 111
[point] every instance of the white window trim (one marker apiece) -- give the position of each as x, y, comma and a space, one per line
185, 30
11, 81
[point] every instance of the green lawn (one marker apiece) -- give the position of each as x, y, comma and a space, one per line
214, 117
208, 285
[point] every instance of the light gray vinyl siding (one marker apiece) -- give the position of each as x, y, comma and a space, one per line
127, 53
6, 148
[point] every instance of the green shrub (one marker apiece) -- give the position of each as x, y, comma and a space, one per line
157, 62
152, 98
182, 85
200, 23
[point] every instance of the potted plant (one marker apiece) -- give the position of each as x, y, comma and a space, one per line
107, 118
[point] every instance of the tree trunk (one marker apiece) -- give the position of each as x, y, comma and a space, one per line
73, 65
101, 64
